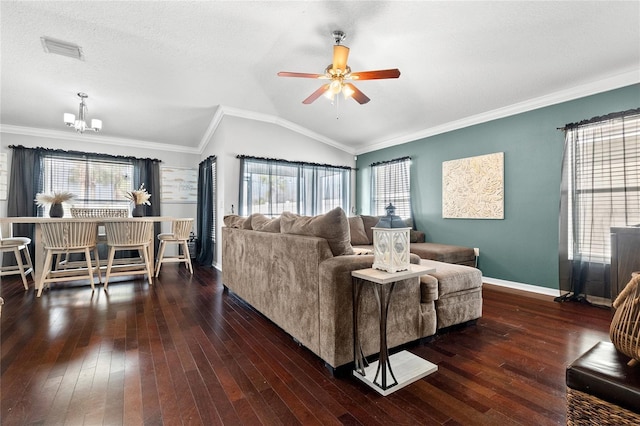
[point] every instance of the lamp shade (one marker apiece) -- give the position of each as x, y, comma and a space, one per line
391, 243
96, 124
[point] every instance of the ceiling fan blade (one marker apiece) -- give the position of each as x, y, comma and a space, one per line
315, 95
359, 97
300, 74
376, 75
340, 56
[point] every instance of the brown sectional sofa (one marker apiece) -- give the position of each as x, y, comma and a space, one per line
303, 284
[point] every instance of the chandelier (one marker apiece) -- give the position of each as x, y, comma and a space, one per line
80, 124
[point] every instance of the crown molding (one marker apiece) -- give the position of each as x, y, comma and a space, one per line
211, 129
94, 138
611, 83
615, 82
267, 118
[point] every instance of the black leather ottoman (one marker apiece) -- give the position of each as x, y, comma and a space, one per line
602, 389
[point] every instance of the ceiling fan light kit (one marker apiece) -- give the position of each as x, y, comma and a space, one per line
340, 74
80, 124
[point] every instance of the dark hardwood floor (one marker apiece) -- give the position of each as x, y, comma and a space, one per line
185, 352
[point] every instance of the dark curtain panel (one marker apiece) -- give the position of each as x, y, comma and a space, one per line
600, 189
206, 247
147, 171
24, 184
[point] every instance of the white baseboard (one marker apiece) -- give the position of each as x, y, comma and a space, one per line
540, 290
521, 286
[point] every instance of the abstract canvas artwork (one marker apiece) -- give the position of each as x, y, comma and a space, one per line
473, 187
179, 185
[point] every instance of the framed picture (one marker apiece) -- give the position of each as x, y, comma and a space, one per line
473, 187
178, 185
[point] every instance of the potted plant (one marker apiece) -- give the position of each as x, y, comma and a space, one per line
55, 200
140, 198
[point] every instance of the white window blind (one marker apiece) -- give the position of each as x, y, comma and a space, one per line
100, 183
390, 183
604, 189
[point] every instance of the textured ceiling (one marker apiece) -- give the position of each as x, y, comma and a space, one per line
163, 72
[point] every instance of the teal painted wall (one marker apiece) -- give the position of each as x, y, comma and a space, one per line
523, 247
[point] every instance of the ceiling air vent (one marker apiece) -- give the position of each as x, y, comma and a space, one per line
59, 47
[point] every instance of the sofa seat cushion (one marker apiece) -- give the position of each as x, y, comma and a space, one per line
453, 278
603, 372
444, 253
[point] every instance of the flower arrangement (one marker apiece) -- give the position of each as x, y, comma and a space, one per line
139, 196
55, 198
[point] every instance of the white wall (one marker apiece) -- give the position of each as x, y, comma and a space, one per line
239, 136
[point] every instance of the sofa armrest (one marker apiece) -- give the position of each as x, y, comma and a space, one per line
428, 288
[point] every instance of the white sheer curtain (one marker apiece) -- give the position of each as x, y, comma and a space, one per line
271, 186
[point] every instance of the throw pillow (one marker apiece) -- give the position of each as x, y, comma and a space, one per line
414, 235
260, 222
370, 222
235, 221
358, 234
332, 226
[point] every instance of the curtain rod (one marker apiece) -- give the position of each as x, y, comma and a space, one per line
211, 157
610, 116
301, 163
62, 151
395, 160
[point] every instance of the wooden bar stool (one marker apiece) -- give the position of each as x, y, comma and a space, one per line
179, 235
129, 235
19, 246
67, 237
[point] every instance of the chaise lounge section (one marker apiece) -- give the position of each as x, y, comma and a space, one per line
362, 237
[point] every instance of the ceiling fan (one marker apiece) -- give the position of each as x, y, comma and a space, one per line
340, 75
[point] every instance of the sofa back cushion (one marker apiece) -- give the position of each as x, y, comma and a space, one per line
372, 221
332, 226
260, 222
369, 222
358, 234
235, 221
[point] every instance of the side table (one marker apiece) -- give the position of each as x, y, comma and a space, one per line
379, 374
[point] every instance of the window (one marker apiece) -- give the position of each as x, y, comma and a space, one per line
100, 183
271, 187
390, 183
603, 185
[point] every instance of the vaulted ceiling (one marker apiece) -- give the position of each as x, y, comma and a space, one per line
167, 71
